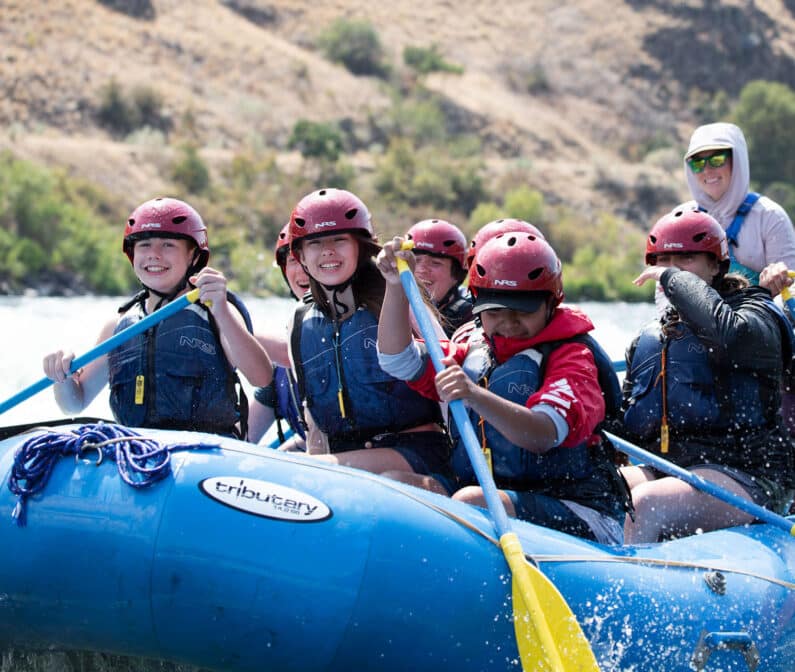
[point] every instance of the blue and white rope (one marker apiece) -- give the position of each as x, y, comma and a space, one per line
141, 461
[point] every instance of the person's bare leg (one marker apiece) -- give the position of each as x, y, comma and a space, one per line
417, 480
473, 494
636, 475
671, 506
375, 460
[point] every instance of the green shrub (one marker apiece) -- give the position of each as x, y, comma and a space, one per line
527, 77
89, 249
525, 203
708, 106
594, 275
482, 214
25, 258
53, 223
644, 144
139, 9
356, 45
190, 171
783, 194
519, 203
114, 112
536, 81
766, 113
421, 121
122, 114
468, 186
602, 260
339, 173
147, 105
428, 176
315, 139
428, 59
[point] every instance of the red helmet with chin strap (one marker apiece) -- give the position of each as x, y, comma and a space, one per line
687, 230
167, 218
327, 212
493, 228
439, 238
517, 261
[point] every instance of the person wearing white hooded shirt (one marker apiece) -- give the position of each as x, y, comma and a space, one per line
765, 237
766, 234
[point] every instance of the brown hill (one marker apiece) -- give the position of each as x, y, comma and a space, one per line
574, 94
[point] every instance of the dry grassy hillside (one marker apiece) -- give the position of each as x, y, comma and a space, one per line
612, 79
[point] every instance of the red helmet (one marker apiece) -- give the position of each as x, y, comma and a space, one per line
167, 218
488, 231
517, 261
326, 212
282, 247
440, 239
686, 229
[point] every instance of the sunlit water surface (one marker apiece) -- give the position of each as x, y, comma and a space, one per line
32, 327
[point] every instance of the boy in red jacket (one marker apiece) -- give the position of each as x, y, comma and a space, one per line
529, 377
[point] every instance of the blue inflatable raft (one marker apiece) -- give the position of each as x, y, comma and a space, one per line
241, 559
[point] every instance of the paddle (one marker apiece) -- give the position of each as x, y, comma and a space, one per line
702, 484
548, 637
786, 296
106, 346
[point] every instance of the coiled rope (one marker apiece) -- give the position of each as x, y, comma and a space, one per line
141, 461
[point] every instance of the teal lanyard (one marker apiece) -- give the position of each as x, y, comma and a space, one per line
340, 394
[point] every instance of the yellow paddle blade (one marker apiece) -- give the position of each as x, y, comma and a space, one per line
550, 638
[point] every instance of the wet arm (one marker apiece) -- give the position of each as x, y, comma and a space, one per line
243, 351
394, 326
73, 393
276, 347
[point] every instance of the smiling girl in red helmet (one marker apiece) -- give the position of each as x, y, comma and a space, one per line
181, 374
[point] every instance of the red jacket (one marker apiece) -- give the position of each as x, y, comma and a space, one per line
571, 382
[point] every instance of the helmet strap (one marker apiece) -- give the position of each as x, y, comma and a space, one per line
333, 294
167, 297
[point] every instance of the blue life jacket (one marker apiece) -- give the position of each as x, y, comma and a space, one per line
456, 308
283, 397
699, 399
337, 363
514, 468
175, 376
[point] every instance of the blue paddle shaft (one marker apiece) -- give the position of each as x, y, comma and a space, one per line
702, 484
106, 346
456, 406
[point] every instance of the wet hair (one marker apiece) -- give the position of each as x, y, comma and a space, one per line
730, 283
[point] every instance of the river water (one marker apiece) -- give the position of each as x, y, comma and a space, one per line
33, 326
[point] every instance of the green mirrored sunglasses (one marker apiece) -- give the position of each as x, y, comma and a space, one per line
715, 160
